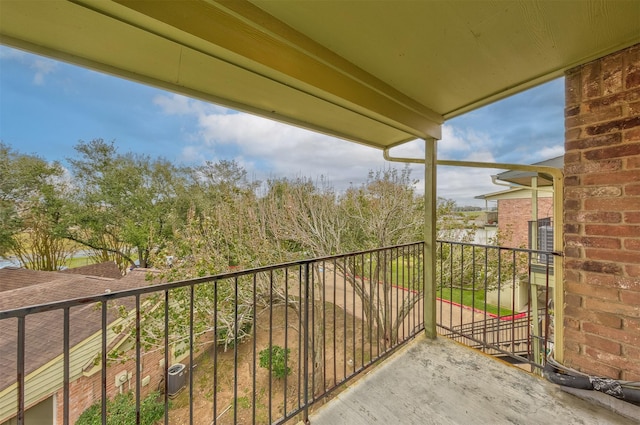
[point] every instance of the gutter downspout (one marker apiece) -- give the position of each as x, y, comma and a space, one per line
558, 224
495, 180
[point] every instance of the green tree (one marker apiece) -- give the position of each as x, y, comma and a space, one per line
125, 204
31, 203
223, 229
303, 220
312, 219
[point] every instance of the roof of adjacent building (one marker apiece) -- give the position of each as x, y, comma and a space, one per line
44, 331
523, 178
105, 269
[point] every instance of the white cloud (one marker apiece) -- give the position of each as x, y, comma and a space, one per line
463, 184
468, 145
42, 68
270, 149
191, 154
40, 65
175, 104
452, 141
277, 149
549, 152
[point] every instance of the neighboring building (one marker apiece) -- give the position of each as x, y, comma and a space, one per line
529, 198
525, 220
515, 214
44, 343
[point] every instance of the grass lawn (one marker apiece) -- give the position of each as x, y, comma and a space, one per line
78, 262
467, 297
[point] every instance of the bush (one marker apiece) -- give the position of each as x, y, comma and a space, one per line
122, 411
279, 357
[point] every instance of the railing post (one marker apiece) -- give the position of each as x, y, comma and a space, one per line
558, 267
20, 379
66, 365
429, 268
306, 344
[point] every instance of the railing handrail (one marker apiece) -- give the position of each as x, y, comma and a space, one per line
503, 282
375, 319
378, 345
501, 248
165, 286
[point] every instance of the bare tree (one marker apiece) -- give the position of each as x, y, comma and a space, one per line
304, 220
313, 220
384, 211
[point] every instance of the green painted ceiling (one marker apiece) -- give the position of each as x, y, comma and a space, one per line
374, 72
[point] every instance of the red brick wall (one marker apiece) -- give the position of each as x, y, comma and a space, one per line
87, 390
513, 219
602, 216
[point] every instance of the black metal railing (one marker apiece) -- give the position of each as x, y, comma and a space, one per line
252, 346
493, 298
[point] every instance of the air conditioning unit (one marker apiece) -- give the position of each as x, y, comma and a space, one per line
177, 378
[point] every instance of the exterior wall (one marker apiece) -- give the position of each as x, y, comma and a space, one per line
40, 414
85, 384
602, 216
45, 381
513, 219
87, 389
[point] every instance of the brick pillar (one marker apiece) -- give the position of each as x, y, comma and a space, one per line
602, 216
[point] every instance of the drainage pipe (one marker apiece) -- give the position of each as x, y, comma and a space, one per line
561, 375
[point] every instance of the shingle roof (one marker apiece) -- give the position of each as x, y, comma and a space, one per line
44, 331
105, 269
13, 278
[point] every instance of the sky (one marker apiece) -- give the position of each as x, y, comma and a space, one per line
47, 107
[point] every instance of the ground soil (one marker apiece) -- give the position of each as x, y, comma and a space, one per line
253, 404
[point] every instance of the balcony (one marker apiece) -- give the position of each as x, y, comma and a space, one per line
442, 382
273, 344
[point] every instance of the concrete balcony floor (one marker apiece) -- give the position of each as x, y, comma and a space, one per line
443, 382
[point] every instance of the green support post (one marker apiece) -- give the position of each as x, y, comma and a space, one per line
430, 198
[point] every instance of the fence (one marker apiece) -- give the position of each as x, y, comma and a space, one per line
496, 299
255, 346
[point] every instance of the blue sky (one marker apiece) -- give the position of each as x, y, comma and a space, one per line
47, 106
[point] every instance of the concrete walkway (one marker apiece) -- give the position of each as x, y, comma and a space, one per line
339, 292
441, 382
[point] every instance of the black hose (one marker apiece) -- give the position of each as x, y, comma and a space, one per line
608, 386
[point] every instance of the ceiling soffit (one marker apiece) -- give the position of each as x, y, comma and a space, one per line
251, 63
379, 73
454, 56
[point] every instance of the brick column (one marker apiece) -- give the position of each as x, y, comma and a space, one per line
602, 216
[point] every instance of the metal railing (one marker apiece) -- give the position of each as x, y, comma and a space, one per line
493, 298
256, 346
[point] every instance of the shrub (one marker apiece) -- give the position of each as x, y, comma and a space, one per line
279, 357
122, 411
